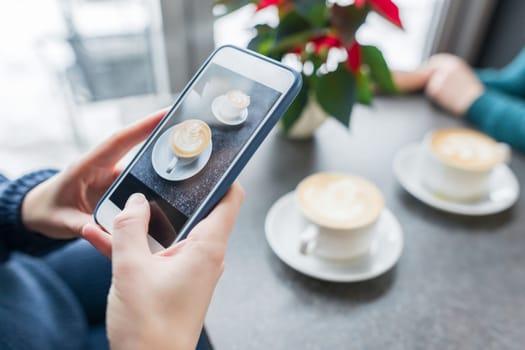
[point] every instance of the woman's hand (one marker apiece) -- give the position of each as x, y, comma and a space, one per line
159, 301
408, 82
452, 83
447, 80
62, 205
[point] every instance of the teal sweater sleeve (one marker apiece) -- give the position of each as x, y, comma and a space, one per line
501, 116
500, 111
510, 79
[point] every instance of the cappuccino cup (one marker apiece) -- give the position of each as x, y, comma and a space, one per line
457, 163
187, 141
234, 102
340, 212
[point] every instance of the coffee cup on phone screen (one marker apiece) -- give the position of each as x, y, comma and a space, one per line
187, 141
233, 104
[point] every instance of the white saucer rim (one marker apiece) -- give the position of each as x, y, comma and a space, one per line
243, 115
467, 209
333, 277
209, 150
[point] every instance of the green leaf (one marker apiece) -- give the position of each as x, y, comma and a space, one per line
364, 87
293, 113
379, 71
293, 30
336, 93
347, 19
317, 61
264, 41
263, 44
264, 29
315, 11
290, 42
292, 24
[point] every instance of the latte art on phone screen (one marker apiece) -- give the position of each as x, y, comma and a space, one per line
466, 148
238, 99
339, 201
190, 138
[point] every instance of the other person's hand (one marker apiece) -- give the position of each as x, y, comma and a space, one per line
62, 205
452, 83
413, 81
447, 80
159, 301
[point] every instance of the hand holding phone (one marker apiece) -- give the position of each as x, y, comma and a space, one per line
202, 144
60, 206
159, 301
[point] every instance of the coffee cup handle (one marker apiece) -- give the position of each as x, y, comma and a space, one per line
172, 164
504, 152
308, 240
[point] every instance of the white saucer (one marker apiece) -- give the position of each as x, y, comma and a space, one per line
216, 107
503, 187
161, 156
284, 225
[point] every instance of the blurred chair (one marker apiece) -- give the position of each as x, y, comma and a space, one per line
123, 49
111, 41
108, 53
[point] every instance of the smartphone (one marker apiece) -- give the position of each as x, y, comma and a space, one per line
198, 149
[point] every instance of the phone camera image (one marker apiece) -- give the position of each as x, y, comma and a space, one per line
196, 144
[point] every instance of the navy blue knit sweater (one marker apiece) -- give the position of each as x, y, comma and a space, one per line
37, 310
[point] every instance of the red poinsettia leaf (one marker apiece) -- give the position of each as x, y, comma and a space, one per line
267, 3
326, 42
354, 57
387, 9
359, 3
297, 50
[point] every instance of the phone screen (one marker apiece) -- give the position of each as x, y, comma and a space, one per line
195, 146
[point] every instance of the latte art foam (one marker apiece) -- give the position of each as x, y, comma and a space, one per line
238, 99
190, 138
339, 201
466, 148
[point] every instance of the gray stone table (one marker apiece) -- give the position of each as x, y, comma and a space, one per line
460, 282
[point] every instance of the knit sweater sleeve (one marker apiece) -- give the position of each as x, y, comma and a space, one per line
509, 80
501, 116
13, 234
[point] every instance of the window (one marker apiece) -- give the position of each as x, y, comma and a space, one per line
402, 49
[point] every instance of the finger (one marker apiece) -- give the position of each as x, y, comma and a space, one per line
130, 229
98, 238
172, 250
434, 64
75, 220
117, 170
434, 85
219, 223
407, 82
112, 150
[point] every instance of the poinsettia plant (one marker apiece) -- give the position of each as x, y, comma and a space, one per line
309, 30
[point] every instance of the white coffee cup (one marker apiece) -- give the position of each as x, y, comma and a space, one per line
457, 163
233, 104
187, 141
340, 212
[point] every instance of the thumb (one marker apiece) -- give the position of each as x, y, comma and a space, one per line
130, 229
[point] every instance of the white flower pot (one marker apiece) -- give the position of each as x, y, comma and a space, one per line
311, 118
